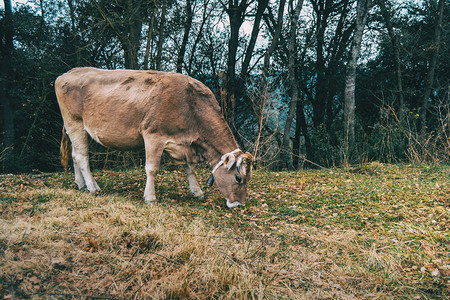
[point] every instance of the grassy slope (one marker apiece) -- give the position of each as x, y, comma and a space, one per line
366, 232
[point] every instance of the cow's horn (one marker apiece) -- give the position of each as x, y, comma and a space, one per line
238, 164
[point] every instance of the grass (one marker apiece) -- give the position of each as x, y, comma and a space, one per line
369, 231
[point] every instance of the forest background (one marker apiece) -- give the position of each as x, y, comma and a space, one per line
302, 83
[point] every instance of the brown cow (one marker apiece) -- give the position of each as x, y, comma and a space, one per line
158, 111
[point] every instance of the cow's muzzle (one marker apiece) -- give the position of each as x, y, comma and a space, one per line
233, 204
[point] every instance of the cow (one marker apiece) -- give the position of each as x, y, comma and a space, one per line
157, 111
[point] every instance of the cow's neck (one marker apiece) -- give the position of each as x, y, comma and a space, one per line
214, 153
215, 137
215, 148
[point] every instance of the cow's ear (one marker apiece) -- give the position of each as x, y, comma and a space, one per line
229, 161
246, 161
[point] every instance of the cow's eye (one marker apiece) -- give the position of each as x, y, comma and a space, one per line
238, 178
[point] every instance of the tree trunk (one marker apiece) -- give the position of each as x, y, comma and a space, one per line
323, 11
149, 38
130, 36
301, 129
262, 5
294, 86
75, 33
187, 28
162, 24
350, 78
133, 28
397, 64
236, 13
275, 39
205, 17
433, 63
8, 113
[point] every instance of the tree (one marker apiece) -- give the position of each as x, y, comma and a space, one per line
236, 14
387, 15
433, 63
206, 14
362, 9
187, 28
162, 23
7, 48
262, 5
294, 86
127, 26
275, 39
283, 73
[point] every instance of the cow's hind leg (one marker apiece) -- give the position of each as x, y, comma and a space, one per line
193, 184
79, 180
153, 152
80, 155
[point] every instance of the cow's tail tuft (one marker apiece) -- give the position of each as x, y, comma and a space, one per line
65, 150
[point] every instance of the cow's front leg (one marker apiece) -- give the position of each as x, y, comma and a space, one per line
153, 154
149, 193
193, 184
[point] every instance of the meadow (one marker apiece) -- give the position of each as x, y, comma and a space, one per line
371, 231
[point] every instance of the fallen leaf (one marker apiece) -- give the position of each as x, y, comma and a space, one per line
34, 280
92, 245
435, 273
431, 268
58, 264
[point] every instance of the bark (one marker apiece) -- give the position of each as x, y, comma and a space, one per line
301, 129
133, 28
149, 38
323, 11
275, 40
397, 64
187, 28
433, 63
129, 35
205, 17
72, 15
260, 107
350, 78
262, 5
8, 113
76, 39
162, 24
329, 56
236, 14
41, 3
294, 86
337, 49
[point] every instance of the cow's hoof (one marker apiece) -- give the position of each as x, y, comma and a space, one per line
201, 196
152, 202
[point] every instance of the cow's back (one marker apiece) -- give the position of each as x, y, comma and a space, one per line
116, 106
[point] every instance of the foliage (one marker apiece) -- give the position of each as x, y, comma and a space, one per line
50, 37
368, 231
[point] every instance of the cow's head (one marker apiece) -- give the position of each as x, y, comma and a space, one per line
231, 175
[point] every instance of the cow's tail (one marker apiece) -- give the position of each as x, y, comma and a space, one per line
65, 149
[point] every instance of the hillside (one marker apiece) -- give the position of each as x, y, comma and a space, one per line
368, 231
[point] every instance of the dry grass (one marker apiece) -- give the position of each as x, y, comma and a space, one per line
371, 231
